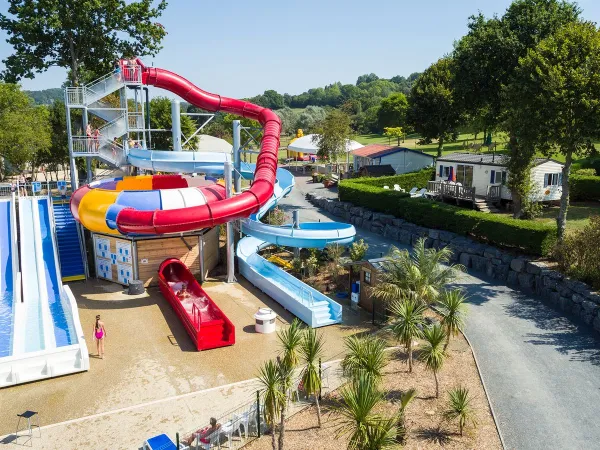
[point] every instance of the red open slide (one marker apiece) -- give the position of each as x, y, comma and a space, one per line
203, 320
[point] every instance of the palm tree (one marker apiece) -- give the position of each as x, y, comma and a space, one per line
289, 341
424, 273
311, 350
453, 310
272, 396
365, 354
367, 430
433, 353
459, 408
286, 380
407, 323
405, 399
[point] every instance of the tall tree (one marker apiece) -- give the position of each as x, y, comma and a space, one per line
486, 59
333, 135
433, 111
392, 111
24, 128
84, 37
559, 82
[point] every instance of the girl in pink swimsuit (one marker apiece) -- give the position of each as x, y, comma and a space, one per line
99, 335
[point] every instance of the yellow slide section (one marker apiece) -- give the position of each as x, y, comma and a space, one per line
92, 210
280, 262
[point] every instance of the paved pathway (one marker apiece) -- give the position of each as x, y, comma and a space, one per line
542, 372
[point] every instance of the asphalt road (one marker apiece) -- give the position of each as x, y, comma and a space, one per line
542, 372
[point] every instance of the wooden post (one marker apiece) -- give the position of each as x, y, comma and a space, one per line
258, 413
320, 378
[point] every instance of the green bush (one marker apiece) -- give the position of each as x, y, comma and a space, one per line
589, 163
406, 181
578, 254
584, 187
533, 237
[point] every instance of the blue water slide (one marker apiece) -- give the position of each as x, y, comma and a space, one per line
48, 318
34, 336
6, 277
308, 304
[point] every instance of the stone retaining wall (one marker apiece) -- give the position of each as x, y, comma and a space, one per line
533, 277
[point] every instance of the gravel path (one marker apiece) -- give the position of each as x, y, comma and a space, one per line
542, 372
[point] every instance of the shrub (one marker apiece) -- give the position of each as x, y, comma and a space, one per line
533, 237
406, 181
584, 172
584, 187
578, 254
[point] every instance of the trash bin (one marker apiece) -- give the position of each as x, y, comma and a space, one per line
265, 321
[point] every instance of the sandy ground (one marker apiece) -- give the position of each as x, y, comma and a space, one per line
149, 356
427, 429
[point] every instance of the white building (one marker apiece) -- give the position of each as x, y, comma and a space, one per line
401, 159
483, 171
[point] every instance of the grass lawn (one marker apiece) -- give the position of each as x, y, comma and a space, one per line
578, 215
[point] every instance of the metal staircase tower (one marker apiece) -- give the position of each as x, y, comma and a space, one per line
118, 118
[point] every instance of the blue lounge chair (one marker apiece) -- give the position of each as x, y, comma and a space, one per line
160, 442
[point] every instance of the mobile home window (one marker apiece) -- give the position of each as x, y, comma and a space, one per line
444, 171
497, 177
552, 179
464, 175
367, 277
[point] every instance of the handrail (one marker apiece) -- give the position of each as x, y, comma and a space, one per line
196, 317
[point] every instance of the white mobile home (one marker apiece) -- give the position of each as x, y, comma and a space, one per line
487, 173
401, 159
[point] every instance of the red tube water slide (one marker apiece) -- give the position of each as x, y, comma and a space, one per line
218, 212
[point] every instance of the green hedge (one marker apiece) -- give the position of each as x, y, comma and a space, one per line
584, 187
530, 236
406, 181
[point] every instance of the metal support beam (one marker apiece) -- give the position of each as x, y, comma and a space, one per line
88, 167
229, 229
176, 127
72, 165
296, 225
237, 161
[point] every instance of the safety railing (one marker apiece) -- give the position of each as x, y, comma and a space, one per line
83, 145
135, 120
196, 318
308, 294
36, 188
132, 74
75, 96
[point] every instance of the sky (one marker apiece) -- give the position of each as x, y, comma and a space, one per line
241, 48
